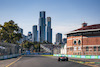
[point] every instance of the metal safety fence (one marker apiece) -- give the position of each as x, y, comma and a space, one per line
9, 49
28, 53
10, 56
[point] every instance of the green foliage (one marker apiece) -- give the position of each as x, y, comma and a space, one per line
37, 47
27, 44
8, 32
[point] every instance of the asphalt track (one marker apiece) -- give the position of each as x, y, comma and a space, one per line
42, 61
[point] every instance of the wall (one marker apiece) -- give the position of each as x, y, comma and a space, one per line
90, 41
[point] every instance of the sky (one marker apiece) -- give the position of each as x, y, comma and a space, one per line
66, 15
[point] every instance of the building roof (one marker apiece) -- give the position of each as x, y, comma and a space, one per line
94, 27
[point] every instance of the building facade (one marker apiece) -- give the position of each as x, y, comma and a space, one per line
58, 38
29, 37
63, 49
34, 34
20, 30
49, 30
42, 26
84, 41
25, 37
64, 40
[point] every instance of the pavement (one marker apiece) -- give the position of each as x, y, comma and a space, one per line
85, 60
90, 62
38, 61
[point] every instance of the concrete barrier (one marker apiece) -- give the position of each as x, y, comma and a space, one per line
16, 55
5, 57
80, 56
10, 56
1, 57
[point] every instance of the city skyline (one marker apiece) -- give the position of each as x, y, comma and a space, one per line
65, 14
43, 31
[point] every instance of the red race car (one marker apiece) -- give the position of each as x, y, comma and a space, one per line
62, 58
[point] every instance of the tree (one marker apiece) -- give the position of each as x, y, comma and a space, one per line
27, 44
44, 42
8, 32
37, 47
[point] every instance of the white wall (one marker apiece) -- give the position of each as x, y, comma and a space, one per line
64, 50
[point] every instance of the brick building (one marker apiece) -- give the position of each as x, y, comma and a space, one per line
84, 41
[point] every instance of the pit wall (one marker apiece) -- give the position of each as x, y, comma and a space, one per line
80, 56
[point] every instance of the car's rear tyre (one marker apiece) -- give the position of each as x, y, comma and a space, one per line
58, 59
66, 59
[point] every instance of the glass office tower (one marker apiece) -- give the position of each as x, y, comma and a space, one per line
58, 38
34, 33
49, 30
42, 26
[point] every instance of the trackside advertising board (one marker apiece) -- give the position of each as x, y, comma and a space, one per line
80, 56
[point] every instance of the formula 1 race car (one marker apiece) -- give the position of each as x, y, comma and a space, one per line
63, 58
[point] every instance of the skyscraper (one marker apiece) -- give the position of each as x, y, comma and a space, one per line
58, 38
20, 30
64, 40
49, 30
42, 25
29, 37
34, 34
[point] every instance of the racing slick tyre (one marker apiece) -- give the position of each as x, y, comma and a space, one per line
66, 58
58, 59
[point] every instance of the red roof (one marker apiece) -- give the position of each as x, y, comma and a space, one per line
84, 23
95, 26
